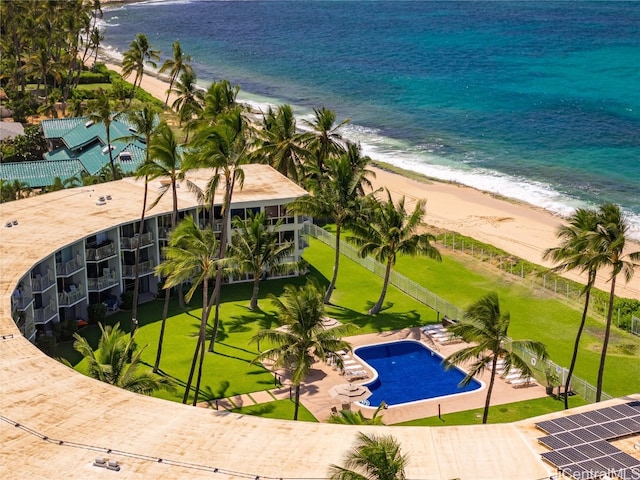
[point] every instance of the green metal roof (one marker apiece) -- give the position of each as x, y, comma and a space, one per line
40, 173
58, 127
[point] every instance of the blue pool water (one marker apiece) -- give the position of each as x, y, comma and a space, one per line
408, 371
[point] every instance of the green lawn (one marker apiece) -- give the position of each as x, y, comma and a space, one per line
282, 409
230, 370
510, 412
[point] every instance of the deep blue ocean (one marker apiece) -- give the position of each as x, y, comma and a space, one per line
537, 101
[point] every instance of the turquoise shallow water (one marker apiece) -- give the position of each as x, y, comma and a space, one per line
534, 100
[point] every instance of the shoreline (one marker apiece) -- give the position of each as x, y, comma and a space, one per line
521, 229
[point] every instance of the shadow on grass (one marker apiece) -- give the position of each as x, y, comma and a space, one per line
380, 322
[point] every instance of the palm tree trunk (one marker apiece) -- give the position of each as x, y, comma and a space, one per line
576, 345
201, 338
605, 341
223, 250
111, 163
487, 401
253, 305
378, 306
297, 403
165, 314
136, 268
336, 263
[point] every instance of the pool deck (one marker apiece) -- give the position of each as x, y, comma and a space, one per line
315, 391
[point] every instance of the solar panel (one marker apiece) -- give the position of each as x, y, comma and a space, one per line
631, 423
585, 435
556, 459
552, 442
589, 450
582, 420
573, 454
629, 474
635, 405
605, 447
626, 460
586, 469
611, 413
569, 438
549, 426
618, 428
566, 423
596, 416
626, 409
610, 463
600, 432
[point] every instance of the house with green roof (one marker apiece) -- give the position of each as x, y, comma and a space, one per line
76, 146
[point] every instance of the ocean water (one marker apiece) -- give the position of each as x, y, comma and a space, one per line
537, 101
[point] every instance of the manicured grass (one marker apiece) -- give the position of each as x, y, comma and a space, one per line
230, 370
510, 412
282, 409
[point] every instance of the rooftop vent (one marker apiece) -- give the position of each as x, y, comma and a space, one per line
88, 124
125, 156
105, 150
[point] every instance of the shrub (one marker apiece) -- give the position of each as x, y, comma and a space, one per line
65, 329
127, 300
47, 344
97, 313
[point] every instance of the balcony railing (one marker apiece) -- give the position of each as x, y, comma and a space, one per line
41, 283
131, 243
102, 283
69, 268
145, 268
22, 297
68, 299
101, 253
163, 232
45, 314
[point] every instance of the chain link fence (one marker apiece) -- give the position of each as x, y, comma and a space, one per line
444, 308
635, 325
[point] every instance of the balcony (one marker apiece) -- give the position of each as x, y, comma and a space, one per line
131, 243
102, 283
40, 284
69, 299
101, 253
69, 268
22, 297
45, 314
145, 268
163, 233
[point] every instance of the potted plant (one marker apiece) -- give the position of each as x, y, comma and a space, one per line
552, 378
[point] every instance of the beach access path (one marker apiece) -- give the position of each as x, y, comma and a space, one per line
515, 227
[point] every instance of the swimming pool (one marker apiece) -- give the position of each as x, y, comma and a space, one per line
408, 371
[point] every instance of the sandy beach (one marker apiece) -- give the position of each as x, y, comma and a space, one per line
521, 230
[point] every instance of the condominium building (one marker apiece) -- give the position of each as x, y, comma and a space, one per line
77, 246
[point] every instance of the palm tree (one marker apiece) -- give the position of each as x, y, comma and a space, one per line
192, 254
117, 360
165, 160
175, 66
223, 146
335, 195
304, 340
350, 417
189, 99
281, 144
387, 230
255, 249
485, 326
608, 242
323, 140
139, 54
574, 253
373, 458
144, 123
100, 109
